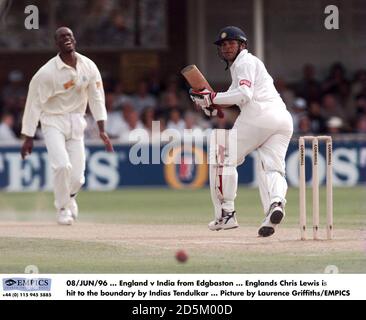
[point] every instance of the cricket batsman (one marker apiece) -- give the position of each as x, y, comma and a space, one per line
58, 95
264, 124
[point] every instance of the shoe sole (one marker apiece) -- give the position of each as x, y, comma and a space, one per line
276, 217
233, 227
218, 229
266, 231
64, 223
215, 229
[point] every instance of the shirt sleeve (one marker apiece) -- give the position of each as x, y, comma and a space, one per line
96, 97
32, 110
244, 84
230, 97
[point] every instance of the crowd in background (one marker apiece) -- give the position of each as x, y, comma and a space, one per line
336, 104
105, 23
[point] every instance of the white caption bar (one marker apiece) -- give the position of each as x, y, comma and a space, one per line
183, 287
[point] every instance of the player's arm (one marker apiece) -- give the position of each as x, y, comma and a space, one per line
104, 136
242, 93
27, 147
96, 100
244, 87
31, 116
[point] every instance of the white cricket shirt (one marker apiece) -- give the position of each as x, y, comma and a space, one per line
58, 89
250, 82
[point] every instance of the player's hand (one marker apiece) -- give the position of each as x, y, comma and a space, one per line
107, 142
204, 99
210, 111
27, 147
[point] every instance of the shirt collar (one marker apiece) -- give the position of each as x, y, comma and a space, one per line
240, 55
60, 64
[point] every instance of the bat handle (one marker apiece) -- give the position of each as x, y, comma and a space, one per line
220, 113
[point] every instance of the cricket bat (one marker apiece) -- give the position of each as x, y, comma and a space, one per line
198, 82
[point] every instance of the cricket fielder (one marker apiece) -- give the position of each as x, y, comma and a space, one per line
58, 95
264, 124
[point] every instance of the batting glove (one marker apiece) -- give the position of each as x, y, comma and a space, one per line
204, 99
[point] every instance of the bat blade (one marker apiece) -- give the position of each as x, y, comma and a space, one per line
195, 78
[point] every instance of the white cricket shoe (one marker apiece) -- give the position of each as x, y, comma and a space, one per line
73, 206
228, 221
273, 218
64, 217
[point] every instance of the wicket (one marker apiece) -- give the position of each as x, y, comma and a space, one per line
315, 184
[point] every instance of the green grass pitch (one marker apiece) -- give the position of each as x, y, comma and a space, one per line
139, 231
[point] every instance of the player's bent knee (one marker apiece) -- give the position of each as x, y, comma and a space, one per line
280, 172
77, 180
229, 170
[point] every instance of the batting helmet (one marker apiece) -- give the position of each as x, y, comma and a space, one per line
231, 33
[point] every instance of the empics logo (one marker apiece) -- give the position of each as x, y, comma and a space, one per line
24, 284
10, 282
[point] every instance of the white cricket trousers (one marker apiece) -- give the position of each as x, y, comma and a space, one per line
269, 133
65, 146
